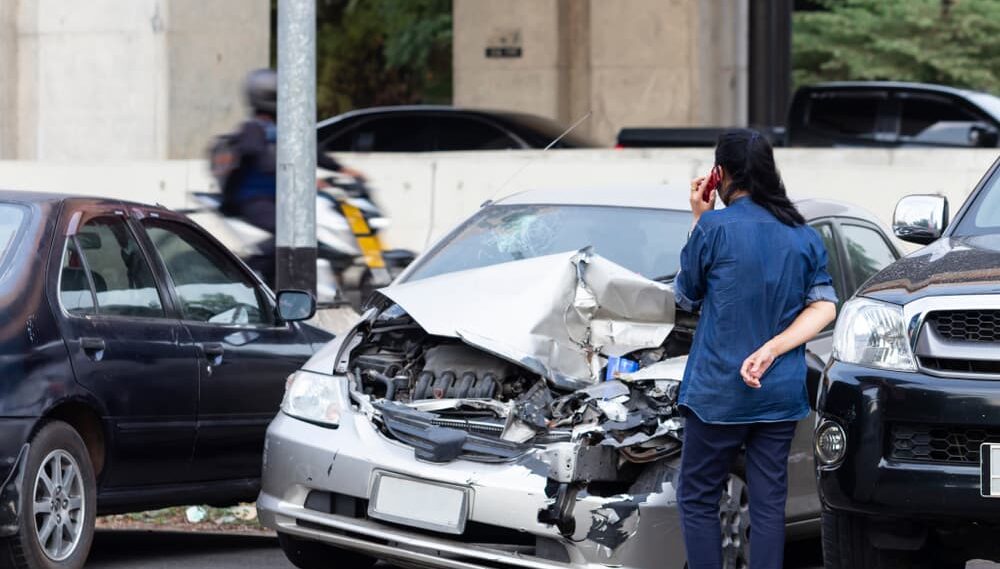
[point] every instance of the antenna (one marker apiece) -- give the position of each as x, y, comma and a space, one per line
534, 159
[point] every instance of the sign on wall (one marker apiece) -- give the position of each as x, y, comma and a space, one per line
504, 44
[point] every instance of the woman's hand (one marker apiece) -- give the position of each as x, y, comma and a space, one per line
756, 364
698, 205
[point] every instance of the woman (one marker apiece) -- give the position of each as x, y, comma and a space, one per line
758, 275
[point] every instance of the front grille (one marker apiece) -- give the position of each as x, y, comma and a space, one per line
936, 443
967, 325
961, 366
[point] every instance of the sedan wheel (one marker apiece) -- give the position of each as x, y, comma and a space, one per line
59, 509
734, 515
57, 503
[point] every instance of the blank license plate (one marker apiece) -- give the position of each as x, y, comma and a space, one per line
989, 460
425, 505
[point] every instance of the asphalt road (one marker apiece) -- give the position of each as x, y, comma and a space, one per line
165, 550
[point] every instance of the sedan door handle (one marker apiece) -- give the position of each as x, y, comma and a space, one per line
213, 350
92, 344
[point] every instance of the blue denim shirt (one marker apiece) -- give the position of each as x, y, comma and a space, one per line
751, 276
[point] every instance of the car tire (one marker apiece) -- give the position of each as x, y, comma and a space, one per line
58, 503
734, 518
846, 545
306, 554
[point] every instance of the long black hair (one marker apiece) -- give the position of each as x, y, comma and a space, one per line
748, 160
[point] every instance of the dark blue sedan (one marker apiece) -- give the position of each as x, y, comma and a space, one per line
140, 363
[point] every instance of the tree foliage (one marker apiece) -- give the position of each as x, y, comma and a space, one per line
951, 42
382, 52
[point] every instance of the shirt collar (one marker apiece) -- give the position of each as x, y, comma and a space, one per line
740, 199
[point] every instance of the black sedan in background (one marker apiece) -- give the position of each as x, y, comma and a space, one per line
141, 363
433, 128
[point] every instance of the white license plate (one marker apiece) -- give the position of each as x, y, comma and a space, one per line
437, 507
989, 461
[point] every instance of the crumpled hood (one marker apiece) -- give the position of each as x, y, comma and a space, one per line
557, 315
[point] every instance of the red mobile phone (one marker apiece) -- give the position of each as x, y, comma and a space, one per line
714, 179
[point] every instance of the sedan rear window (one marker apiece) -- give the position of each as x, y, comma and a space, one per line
647, 241
11, 219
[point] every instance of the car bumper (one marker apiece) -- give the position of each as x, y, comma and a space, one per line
301, 458
873, 479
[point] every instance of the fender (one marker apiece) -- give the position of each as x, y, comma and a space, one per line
10, 495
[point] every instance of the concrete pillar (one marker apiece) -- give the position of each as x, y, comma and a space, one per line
125, 80
631, 62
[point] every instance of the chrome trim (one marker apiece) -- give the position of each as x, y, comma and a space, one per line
915, 314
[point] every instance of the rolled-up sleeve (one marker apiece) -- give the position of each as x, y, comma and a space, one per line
821, 289
689, 286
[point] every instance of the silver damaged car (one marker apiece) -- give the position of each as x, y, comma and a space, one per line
511, 400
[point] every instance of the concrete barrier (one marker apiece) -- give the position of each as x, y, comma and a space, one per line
427, 194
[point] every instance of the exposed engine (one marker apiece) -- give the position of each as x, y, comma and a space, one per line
416, 378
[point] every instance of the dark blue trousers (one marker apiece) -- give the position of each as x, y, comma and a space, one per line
707, 458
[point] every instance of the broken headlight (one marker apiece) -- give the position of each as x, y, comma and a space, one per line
315, 397
872, 333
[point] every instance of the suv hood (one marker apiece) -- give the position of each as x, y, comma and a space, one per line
554, 315
949, 266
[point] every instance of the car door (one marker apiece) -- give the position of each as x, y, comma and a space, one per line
803, 501
848, 242
247, 354
127, 348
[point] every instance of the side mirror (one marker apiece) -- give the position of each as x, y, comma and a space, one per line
982, 135
296, 305
920, 218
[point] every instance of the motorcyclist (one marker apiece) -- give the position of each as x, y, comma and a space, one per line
250, 190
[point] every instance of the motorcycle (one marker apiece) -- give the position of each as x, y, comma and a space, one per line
351, 261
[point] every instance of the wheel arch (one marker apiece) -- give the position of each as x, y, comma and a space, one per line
85, 419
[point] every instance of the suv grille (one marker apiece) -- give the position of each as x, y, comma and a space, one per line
935, 443
967, 325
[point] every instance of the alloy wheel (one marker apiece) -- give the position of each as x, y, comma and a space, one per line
734, 515
58, 505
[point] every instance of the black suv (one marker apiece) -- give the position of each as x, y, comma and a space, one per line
908, 438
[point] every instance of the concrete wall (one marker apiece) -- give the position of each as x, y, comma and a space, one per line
680, 63
427, 194
124, 79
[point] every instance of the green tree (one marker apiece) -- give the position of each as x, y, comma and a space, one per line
952, 42
382, 52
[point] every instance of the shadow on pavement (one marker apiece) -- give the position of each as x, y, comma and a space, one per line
118, 545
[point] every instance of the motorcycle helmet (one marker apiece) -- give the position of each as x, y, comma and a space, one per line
262, 91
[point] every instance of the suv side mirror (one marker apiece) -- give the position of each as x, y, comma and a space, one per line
920, 218
296, 305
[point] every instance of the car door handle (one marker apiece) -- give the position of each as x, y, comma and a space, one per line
213, 350
92, 344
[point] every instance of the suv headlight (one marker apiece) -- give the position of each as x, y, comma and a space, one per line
872, 333
314, 397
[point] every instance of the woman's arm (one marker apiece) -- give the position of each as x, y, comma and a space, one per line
810, 322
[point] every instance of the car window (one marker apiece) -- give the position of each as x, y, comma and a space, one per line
11, 219
75, 293
833, 264
458, 133
984, 213
867, 251
122, 278
647, 241
210, 286
917, 114
385, 134
849, 114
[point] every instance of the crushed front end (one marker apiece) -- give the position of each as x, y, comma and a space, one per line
479, 427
